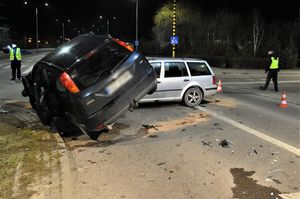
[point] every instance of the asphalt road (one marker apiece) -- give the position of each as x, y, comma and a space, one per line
237, 144
12, 89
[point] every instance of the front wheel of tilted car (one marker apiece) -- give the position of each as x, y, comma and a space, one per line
46, 105
193, 97
42, 109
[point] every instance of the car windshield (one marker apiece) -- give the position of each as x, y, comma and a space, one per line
99, 65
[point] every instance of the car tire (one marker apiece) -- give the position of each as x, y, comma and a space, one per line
193, 97
43, 110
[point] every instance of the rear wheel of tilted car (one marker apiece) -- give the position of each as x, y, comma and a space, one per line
193, 97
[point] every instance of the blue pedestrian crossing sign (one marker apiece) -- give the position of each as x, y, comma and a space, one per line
174, 40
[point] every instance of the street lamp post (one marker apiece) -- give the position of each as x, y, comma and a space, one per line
107, 26
107, 23
137, 24
63, 28
37, 22
63, 31
37, 26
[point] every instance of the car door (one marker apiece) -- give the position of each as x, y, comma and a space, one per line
157, 65
175, 78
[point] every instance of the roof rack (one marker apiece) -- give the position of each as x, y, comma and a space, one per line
177, 58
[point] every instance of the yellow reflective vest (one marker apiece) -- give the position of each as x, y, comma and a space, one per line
274, 63
18, 54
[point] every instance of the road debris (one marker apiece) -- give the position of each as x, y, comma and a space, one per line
2, 110
153, 136
150, 126
254, 150
274, 171
273, 153
218, 125
224, 143
272, 179
210, 173
205, 143
110, 127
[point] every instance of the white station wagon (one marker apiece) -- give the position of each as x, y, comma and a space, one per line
182, 79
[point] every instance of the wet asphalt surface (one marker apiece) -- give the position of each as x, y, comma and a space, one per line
167, 150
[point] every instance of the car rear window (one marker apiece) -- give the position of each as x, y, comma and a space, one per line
99, 65
198, 69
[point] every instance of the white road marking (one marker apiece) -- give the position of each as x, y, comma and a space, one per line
253, 74
8, 66
28, 70
253, 131
290, 196
258, 82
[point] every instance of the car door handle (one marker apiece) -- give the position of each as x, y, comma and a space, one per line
186, 80
158, 82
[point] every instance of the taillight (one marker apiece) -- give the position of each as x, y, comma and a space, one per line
214, 80
122, 43
68, 83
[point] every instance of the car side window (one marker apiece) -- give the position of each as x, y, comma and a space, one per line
156, 66
198, 69
175, 69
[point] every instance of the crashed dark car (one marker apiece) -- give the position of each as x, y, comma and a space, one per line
89, 83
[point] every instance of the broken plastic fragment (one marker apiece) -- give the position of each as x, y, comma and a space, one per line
224, 143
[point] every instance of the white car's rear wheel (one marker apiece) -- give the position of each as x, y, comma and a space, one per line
193, 97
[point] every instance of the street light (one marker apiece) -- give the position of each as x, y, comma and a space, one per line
63, 28
107, 23
37, 22
136, 24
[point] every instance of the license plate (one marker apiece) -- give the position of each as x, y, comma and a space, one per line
117, 83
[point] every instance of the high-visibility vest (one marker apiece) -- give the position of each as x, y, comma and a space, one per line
18, 54
274, 63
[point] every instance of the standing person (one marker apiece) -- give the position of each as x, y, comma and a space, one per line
272, 70
15, 57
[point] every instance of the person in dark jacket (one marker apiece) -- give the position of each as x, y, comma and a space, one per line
272, 71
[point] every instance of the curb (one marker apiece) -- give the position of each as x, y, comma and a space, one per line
66, 169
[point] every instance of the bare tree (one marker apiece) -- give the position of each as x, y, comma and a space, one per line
257, 32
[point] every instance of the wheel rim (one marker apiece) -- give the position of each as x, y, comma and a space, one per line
194, 97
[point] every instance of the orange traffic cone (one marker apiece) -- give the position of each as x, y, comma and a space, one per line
283, 101
219, 89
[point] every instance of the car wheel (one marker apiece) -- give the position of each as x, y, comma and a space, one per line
193, 97
42, 109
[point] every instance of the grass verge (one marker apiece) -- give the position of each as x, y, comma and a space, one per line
25, 157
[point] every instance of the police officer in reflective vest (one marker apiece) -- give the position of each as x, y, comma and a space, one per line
15, 57
272, 70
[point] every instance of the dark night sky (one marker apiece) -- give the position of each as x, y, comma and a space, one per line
86, 13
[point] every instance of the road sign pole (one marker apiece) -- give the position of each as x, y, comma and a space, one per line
174, 28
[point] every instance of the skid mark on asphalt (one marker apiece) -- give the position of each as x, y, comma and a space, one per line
254, 132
